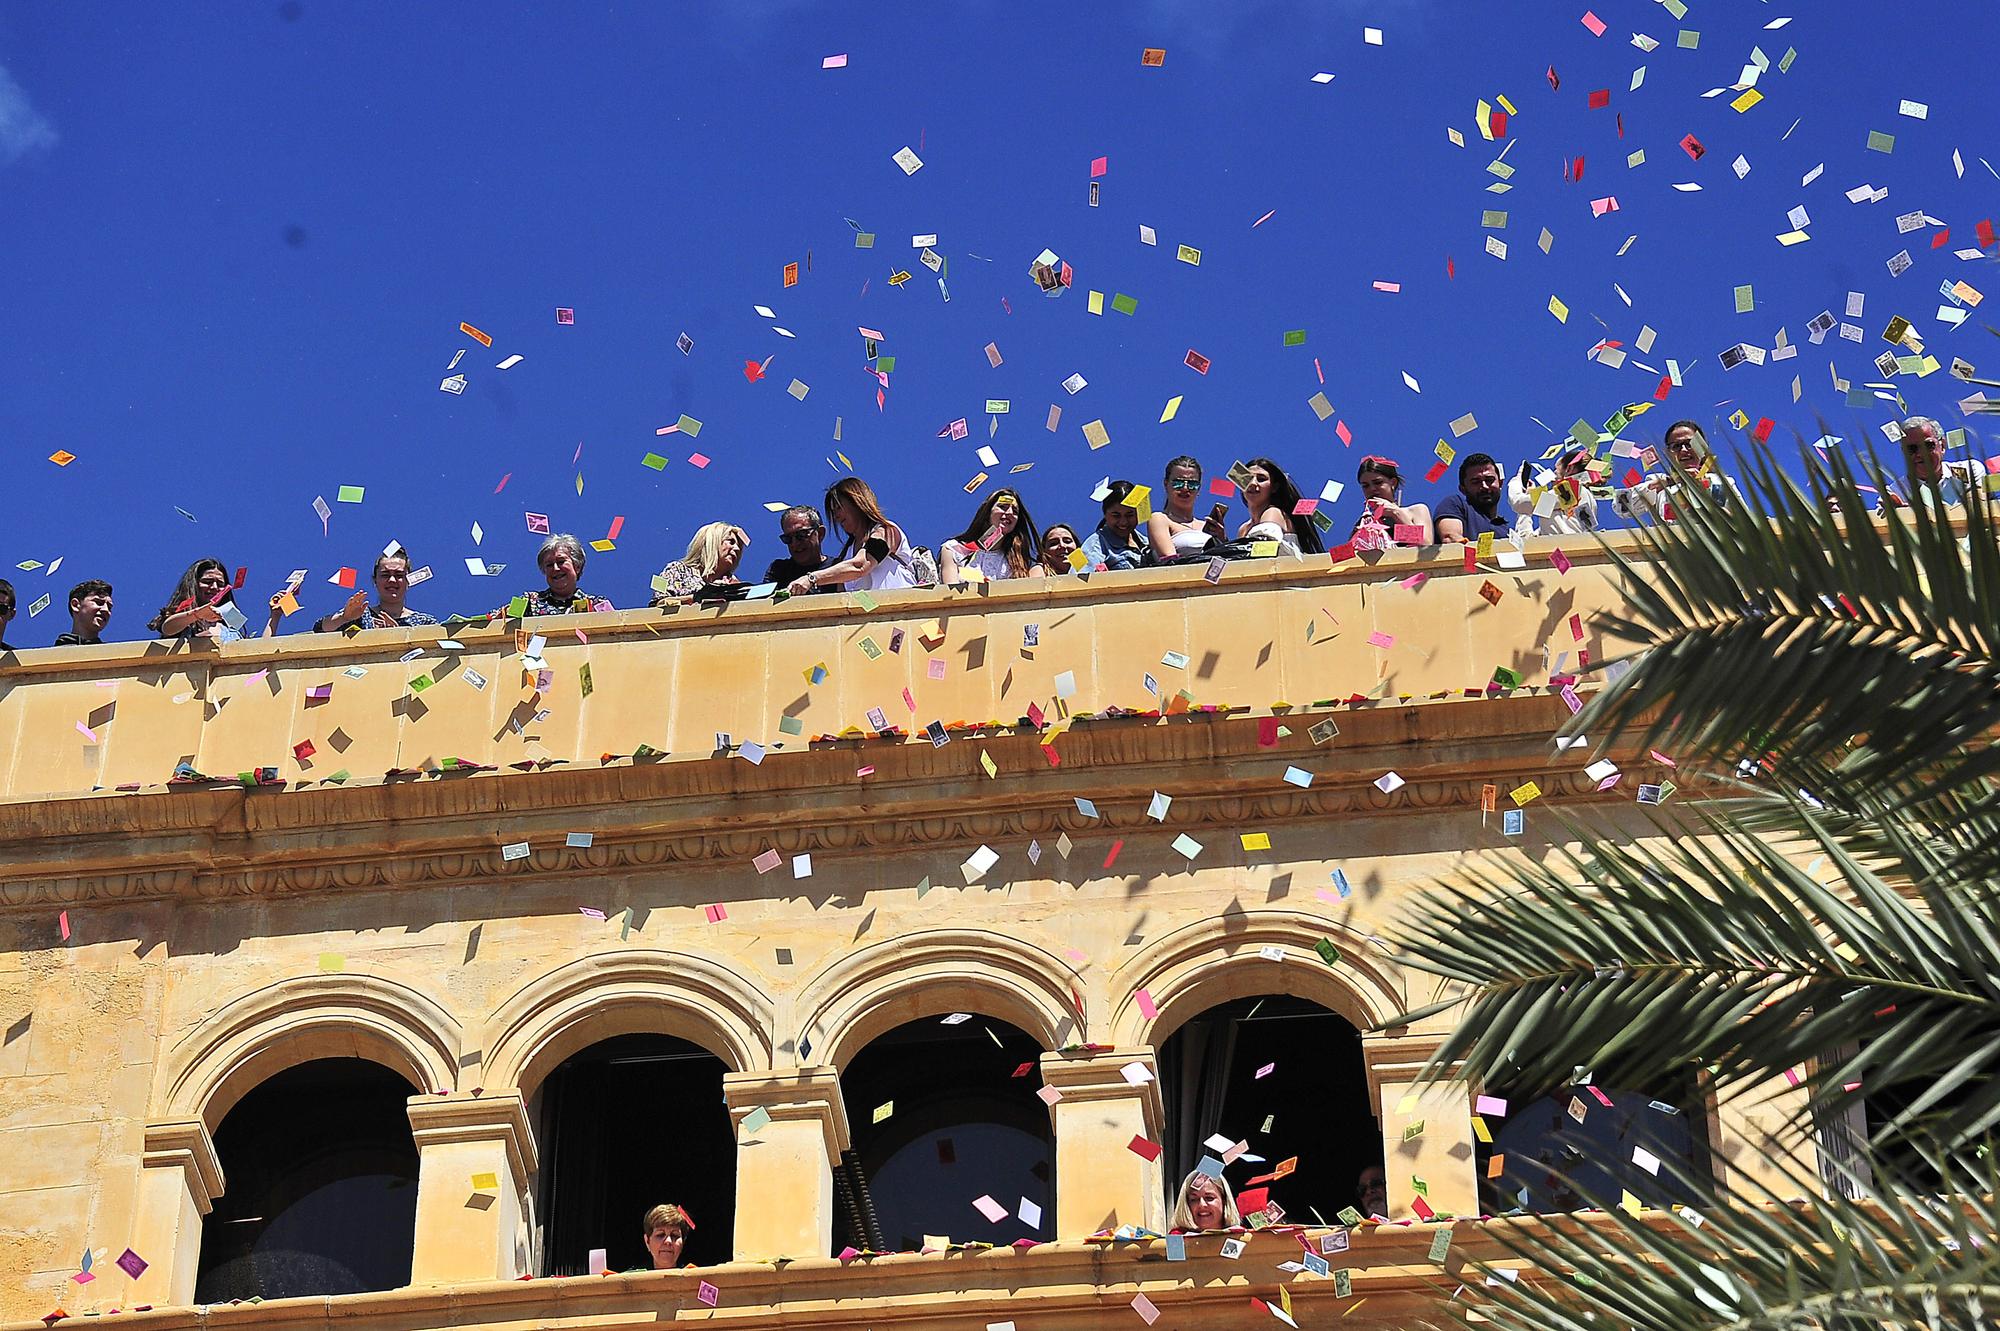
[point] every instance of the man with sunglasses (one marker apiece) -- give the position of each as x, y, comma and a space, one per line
1927, 469
6, 612
801, 530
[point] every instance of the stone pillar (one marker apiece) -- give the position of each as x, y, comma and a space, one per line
1101, 1182
1746, 1152
785, 1162
179, 1180
469, 1226
1442, 1154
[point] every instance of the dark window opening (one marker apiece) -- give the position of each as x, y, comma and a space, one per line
624, 1125
956, 1124
1312, 1104
321, 1187
1652, 1144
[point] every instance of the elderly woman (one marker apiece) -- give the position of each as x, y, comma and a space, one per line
1205, 1203
666, 1228
561, 560
1690, 462
1000, 543
711, 560
203, 607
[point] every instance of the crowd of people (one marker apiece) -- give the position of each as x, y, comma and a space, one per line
1002, 541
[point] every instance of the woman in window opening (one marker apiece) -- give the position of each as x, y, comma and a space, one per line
1270, 496
1205, 1203
1058, 543
203, 607
876, 556
561, 561
666, 1228
1176, 530
998, 545
392, 584
1381, 482
711, 560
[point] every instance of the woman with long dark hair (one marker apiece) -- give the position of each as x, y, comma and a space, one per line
1270, 496
203, 606
876, 556
1175, 529
1000, 544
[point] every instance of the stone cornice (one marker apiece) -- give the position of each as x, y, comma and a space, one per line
792, 1095
230, 842
188, 1147
478, 1118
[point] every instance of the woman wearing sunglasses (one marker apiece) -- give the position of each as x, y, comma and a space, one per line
1175, 530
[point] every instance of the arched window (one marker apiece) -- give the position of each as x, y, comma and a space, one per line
321, 1186
621, 1126
1592, 1145
1285, 1075
943, 1114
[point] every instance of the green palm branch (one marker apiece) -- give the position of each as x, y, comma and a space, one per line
1819, 906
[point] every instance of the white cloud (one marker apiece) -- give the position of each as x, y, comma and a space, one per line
22, 129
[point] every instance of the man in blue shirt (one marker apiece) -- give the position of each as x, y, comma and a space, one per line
1477, 508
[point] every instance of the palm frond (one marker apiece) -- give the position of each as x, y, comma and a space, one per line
1778, 627
1895, 1257
1714, 946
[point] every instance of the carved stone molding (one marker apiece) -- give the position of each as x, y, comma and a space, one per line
188, 1147
213, 845
478, 1118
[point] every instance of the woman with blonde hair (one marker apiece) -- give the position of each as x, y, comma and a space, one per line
876, 557
1205, 1203
711, 560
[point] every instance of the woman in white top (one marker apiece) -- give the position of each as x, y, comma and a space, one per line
1575, 507
1270, 496
1000, 544
1381, 484
1690, 462
1175, 530
876, 557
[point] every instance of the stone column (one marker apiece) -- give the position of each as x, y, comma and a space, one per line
1101, 1182
1442, 1154
785, 1158
179, 1180
476, 1162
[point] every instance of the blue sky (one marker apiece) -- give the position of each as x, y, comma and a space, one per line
239, 240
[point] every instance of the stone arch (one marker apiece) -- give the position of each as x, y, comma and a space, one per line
297, 1021
654, 992
1212, 961
931, 973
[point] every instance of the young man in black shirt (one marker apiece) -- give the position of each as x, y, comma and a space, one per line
89, 612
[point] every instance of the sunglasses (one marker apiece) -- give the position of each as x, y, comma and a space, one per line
790, 536
1184, 485
6, 609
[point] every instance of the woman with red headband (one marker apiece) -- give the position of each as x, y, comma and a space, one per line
1386, 520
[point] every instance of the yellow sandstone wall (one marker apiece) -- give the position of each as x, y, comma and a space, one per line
218, 934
